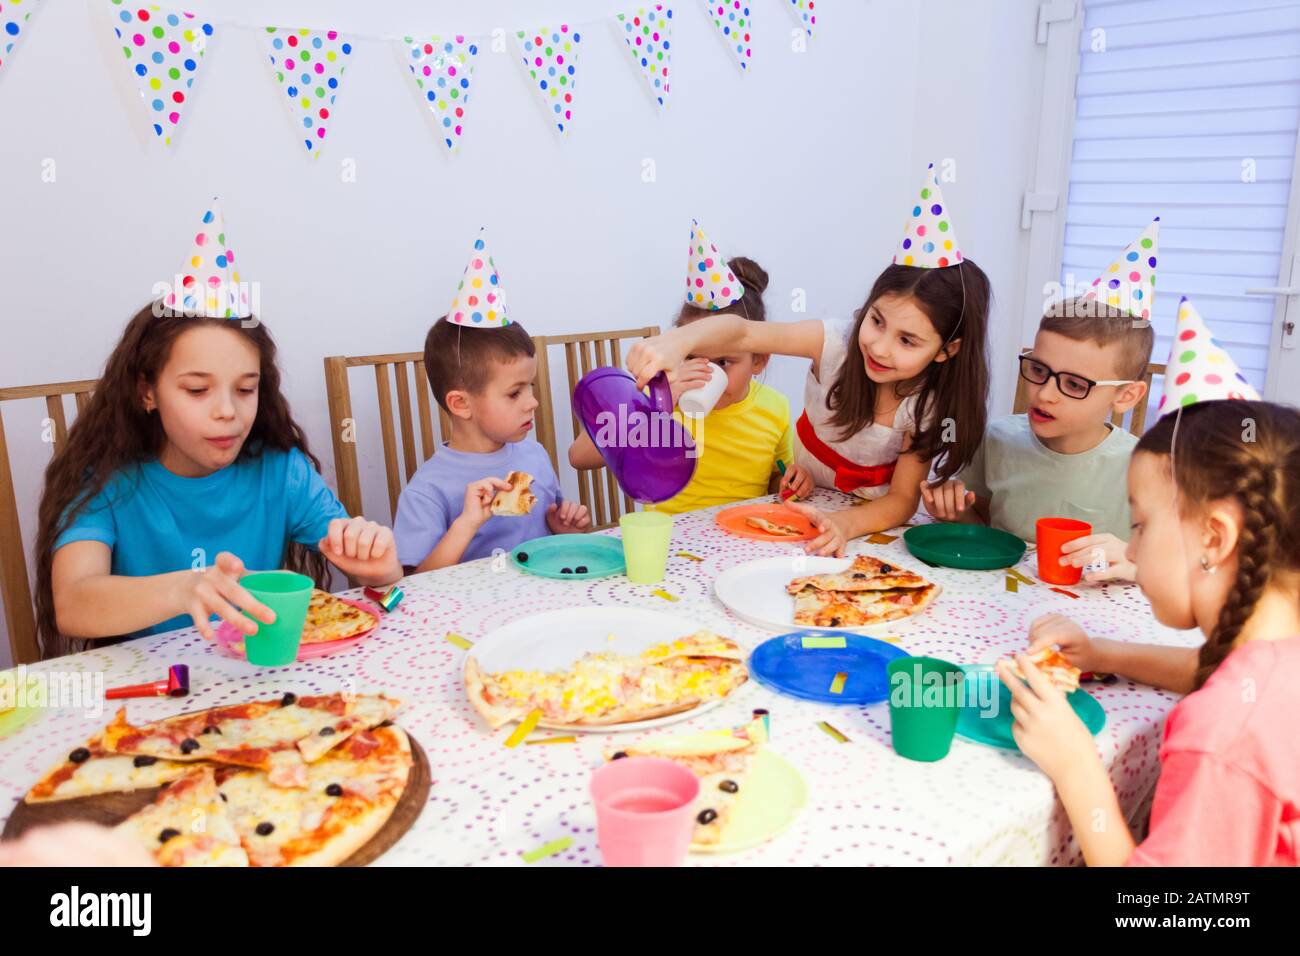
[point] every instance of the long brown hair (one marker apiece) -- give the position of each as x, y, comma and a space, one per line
956, 301
114, 431
1249, 451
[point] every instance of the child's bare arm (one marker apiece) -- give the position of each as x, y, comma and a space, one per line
583, 453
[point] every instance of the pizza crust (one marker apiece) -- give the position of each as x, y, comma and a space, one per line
519, 500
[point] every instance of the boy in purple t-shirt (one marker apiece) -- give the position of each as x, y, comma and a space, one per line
483, 379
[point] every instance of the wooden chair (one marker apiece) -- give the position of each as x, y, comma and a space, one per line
583, 352
1137, 417
407, 369
15, 587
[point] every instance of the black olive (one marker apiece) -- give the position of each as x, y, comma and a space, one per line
886, 568
334, 790
760, 712
224, 798
211, 730
265, 829
288, 699
167, 834
145, 761
80, 755
729, 786
522, 557
581, 569
386, 723
189, 745
619, 756
707, 816
835, 622
566, 570
858, 575
327, 731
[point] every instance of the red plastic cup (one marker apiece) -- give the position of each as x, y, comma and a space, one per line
644, 811
1051, 534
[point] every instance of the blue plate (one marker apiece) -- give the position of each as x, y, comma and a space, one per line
787, 666
994, 728
548, 557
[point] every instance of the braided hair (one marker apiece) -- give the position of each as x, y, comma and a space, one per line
1249, 451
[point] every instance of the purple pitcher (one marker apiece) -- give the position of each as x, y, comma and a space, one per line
648, 451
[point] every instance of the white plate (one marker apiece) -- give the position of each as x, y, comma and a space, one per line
755, 592
553, 640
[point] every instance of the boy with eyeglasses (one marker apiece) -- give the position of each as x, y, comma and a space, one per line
1062, 458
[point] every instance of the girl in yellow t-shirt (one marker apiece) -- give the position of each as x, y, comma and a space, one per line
747, 432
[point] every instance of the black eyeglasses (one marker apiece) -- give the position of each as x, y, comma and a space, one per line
1070, 385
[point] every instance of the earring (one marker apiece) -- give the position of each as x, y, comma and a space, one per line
1206, 566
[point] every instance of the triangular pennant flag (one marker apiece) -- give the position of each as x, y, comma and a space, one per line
479, 300
929, 238
164, 50
309, 65
710, 283
648, 34
14, 15
733, 21
551, 58
1129, 282
208, 282
1199, 369
442, 68
804, 12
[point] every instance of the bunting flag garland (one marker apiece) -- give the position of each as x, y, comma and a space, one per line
551, 58
647, 31
442, 68
309, 65
14, 15
164, 50
804, 13
733, 21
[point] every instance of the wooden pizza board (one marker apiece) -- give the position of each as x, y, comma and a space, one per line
111, 809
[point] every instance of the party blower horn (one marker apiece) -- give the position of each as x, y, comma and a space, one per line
648, 451
177, 684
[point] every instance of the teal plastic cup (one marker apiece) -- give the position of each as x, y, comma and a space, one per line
288, 595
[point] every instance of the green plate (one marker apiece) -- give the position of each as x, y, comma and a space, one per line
559, 556
991, 725
970, 546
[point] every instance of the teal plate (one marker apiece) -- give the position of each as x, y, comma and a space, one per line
969, 546
995, 728
550, 556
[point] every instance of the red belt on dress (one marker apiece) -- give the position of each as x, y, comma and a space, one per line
848, 475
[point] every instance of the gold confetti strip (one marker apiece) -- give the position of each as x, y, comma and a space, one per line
549, 849
659, 592
552, 740
837, 685
1020, 577
883, 538
687, 554
1012, 584
526, 727
833, 732
458, 641
891, 639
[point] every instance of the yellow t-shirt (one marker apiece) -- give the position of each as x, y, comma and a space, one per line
738, 446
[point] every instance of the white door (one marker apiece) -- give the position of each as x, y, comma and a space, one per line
1283, 383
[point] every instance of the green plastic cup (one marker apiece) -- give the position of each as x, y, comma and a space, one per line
287, 594
925, 696
645, 544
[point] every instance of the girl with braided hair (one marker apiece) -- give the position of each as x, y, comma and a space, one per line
1215, 495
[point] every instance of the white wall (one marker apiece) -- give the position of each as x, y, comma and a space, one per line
804, 164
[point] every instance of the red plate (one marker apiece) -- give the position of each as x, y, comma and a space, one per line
733, 520
228, 637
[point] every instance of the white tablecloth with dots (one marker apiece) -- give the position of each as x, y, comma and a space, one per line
490, 804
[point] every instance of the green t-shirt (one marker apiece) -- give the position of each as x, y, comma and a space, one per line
1024, 480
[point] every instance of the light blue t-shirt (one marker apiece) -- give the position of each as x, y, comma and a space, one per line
435, 497
156, 522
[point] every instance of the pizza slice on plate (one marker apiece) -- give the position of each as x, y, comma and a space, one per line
864, 574
331, 619
1055, 666
721, 760
773, 527
519, 500
92, 770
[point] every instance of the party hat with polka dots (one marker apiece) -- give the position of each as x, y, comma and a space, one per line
14, 15
478, 299
1199, 369
208, 283
1128, 284
710, 283
929, 239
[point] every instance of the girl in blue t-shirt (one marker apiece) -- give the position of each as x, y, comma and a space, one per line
184, 470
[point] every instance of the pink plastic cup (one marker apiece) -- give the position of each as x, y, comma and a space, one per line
644, 811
